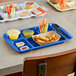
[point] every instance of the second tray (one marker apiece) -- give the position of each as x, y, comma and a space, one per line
72, 5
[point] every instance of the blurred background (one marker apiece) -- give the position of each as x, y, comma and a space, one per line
5, 1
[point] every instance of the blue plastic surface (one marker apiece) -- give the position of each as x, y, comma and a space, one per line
31, 43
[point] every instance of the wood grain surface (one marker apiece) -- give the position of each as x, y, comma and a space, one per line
60, 64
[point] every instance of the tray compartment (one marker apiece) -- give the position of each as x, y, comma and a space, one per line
37, 46
24, 5
69, 37
35, 29
7, 37
26, 44
10, 19
33, 42
66, 33
23, 17
17, 5
48, 45
48, 34
51, 28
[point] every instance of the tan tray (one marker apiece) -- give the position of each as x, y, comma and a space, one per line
71, 7
46, 34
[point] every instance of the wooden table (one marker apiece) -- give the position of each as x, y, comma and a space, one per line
11, 61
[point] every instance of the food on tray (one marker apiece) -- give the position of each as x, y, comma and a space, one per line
52, 38
43, 38
13, 34
37, 38
19, 44
43, 26
24, 13
8, 6
40, 10
43, 9
36, 12
28, 33
57, 1
24, 48
29, 5
46, 38
49, 38
1, 18
11, 11
62, 4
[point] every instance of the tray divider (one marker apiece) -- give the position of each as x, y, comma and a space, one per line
29, 43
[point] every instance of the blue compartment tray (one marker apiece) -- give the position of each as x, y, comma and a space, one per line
31, 43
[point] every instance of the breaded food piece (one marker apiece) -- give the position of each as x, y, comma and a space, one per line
44, 38
36, 37
55, 38
52, 36
49, 38
52, 40
39, 41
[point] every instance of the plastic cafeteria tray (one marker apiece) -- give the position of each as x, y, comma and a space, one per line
31, 43
72, 5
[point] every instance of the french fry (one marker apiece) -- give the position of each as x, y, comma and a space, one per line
44, 39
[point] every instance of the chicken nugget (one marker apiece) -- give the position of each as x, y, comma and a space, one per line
36, 37
40, 41
52, 36
55, 38
44, 39
52, 40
